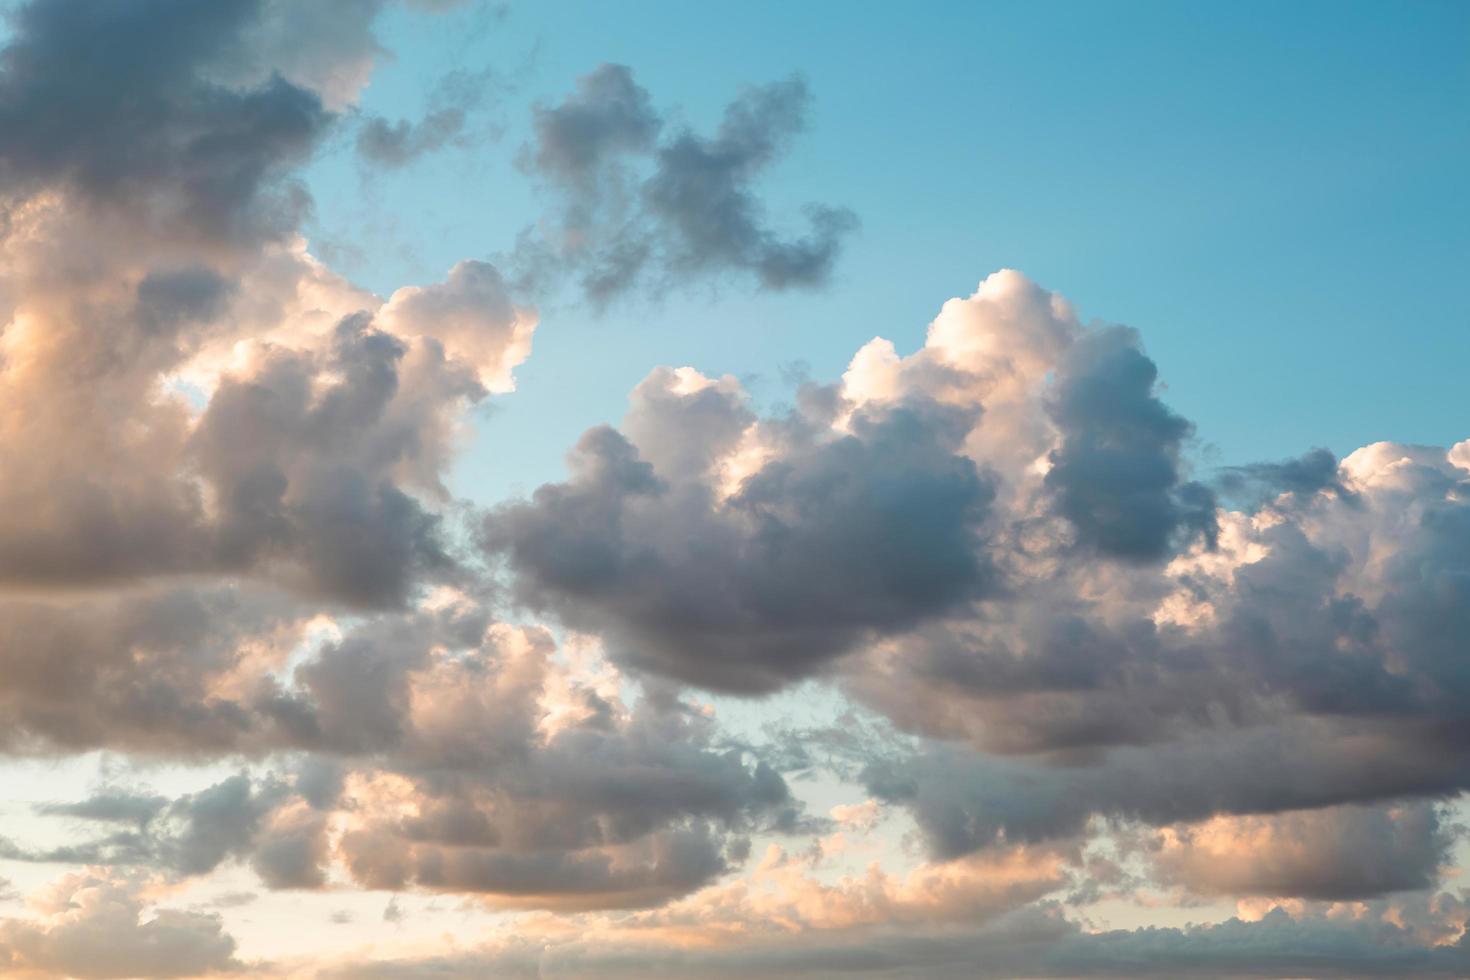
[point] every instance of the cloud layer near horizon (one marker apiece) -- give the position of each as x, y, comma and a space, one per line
1074, 672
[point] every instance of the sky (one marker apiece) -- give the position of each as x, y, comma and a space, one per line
573, 489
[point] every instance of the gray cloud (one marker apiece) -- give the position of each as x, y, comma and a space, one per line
845, 538
964, 802
637, 208
131, 672
307, 475
119, 806
1115, 476
1337, 854
397, 144
1033, 942
193, 834
146, 238
1307, 474
146, 127
608, 114
701, 192
452, 105
108, 937
1074, 629
616, 806
624, 807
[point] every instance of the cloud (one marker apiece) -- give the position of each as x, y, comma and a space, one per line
1307, 474
1304, 664
315, 462
638, 207
472, 315
608, 114
995, 543
1335, 854
1035, 941
149, 130
113, 805
612, 806
156, 300
467, 760
97, 928
451, 105
396, 144
149, 672
839, 537
236, 818
921, 489
1115, 476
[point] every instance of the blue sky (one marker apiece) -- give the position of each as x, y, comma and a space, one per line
1273, 194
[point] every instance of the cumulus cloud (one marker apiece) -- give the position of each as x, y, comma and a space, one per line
316, 461
507, 780
99, 928
151, 263
740, 552
1337, 853
846, 535
1295, 666
643, 202
456, 755
1115, 476
997, 543
149, 129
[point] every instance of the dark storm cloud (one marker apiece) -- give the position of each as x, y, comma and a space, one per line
1116, 476
860, 535
639, 208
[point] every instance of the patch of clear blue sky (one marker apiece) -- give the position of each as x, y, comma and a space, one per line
1274, 194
